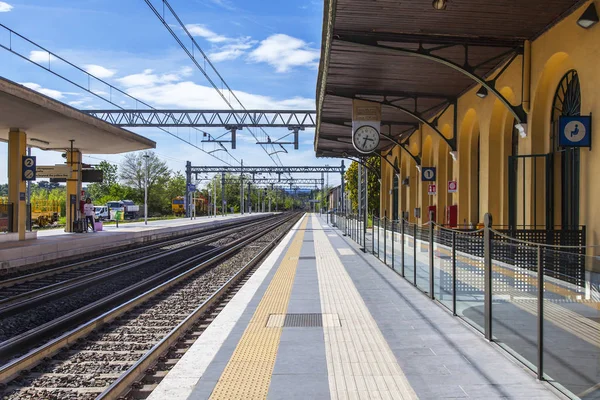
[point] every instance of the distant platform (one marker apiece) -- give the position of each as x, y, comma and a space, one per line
54, 244
321, 320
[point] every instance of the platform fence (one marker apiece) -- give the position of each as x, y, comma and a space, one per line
490, 278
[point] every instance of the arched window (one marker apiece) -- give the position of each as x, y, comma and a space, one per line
567, 102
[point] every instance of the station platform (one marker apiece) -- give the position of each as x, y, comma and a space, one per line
54, 244
321, 320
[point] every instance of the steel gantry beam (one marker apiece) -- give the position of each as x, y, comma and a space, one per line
209, 118
266, 170
269, 181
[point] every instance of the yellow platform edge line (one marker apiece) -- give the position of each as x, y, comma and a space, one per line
248, 372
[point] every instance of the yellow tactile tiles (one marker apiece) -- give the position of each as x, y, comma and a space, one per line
360, 363
248, 372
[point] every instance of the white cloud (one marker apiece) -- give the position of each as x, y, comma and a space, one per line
99, 71
152, 88
204, 32
148, 78
55, 94
224, 48
232, 51
39, 56
285, 52
5, 7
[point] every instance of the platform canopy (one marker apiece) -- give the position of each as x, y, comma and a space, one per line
50, 124
416, 60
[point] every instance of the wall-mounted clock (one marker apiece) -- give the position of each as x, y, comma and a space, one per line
365, 139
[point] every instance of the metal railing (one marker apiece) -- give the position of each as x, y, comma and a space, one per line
491, 279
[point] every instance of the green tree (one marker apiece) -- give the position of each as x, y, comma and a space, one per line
133, 175
351, 179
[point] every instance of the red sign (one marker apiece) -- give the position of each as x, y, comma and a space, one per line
432, 189
452, 187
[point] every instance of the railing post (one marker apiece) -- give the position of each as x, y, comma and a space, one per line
540, 322
454, 273
487, 276
393, 237
431, 258
378, 237
402, 247
364, 230
373, 235
415, 254
385, 222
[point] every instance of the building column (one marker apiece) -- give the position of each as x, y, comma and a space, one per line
17, 148
73, 189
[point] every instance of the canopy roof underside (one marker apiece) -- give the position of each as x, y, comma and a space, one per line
415, 59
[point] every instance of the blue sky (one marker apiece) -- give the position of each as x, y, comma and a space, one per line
267, 51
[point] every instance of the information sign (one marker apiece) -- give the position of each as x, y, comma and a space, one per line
432, 190
428, 174
452, 187
53, 171
29, 168
575, 131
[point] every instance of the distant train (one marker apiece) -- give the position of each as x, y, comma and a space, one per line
178, 205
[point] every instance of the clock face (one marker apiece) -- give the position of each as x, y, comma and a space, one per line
365, 139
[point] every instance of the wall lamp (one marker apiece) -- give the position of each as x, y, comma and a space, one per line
454, 155
40, 141
522, 128
482, 92
589, 17
439, 4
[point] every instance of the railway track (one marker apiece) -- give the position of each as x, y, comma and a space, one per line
26, 322
110, 353
32, 280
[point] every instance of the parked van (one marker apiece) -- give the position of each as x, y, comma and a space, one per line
101, 213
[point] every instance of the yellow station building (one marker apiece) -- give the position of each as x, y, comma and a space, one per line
475, 89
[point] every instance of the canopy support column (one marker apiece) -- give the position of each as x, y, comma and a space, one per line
17, 148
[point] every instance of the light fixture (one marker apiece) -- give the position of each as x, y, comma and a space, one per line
522, 128
589, 17
454, 155
39, 141
419, 168
439, 4
482, 92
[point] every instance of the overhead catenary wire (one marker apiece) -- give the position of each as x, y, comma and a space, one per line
88, 89
274, 157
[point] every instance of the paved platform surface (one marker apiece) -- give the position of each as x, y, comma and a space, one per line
52, 244
321, 320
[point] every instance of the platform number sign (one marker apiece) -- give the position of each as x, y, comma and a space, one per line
428, 174
29, 168
575, 131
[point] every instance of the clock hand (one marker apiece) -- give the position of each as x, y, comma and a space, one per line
365, 142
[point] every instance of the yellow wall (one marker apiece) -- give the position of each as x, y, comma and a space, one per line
564, 47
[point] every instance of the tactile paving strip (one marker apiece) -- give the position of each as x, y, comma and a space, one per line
360, 363
248, 372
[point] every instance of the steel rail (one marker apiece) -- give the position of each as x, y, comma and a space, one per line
119, 387
7, 283
121, 303
25, 301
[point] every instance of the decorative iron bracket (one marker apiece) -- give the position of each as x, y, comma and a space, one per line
372, 41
